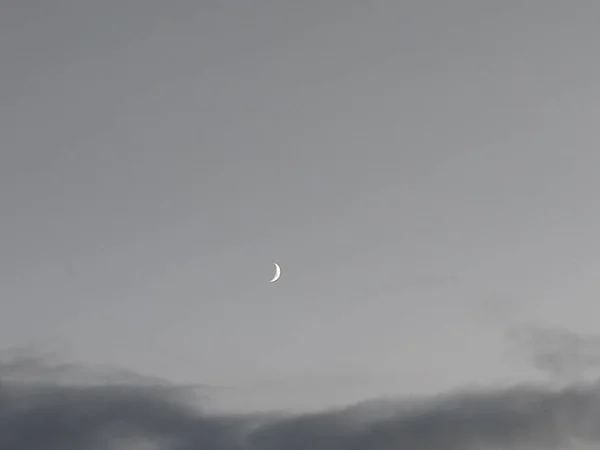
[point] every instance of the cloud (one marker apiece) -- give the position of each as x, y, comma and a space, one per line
562, 354
50, 415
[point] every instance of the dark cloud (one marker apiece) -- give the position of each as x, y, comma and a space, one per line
135, 415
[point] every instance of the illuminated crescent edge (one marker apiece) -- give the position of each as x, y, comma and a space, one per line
277, 273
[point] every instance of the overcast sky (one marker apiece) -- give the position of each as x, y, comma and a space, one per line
425, 172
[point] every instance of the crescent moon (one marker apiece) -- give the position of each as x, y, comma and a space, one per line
277, 273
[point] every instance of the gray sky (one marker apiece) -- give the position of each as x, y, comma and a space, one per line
425, 173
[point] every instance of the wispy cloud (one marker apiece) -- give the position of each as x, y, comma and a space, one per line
565, 356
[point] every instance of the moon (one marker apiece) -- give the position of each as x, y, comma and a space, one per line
277, 273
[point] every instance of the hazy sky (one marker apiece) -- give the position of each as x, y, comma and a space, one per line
425, 172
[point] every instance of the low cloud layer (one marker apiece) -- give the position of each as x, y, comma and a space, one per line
138, 415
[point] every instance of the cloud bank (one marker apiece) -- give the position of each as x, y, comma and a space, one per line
135, 415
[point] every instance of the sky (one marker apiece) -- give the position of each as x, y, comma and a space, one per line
424, 172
